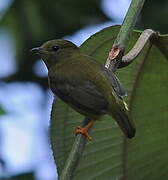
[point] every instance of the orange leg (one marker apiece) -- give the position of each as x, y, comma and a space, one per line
84, 130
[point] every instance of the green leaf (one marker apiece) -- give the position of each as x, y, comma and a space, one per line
110, 155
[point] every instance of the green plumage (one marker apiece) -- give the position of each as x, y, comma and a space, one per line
84, 84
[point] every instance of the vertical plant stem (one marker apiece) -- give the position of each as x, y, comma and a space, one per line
129, 23
117, 51
120, 42
74, 155
73, 158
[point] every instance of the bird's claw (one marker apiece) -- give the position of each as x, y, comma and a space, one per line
84, 132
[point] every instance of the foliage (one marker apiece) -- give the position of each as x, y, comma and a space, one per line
110, 155
33, 22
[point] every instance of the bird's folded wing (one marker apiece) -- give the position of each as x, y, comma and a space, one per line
84, 96
116, 83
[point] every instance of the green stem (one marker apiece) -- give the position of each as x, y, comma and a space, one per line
121, 41
74, 156
115, 55
129, 23
130, 57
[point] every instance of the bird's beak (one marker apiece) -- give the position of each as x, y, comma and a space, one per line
37, 50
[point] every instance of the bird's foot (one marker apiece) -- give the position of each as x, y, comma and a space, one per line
84, 132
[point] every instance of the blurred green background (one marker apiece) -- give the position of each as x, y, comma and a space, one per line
25, 100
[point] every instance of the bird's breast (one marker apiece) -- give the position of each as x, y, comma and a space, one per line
58, 87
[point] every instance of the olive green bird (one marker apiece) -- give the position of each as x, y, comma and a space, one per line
85, 85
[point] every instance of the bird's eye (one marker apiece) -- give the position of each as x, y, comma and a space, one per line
55, 48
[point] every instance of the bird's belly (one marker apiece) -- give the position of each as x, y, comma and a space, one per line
84, 110
89, 105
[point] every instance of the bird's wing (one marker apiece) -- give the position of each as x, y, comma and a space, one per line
83, 95
116, 83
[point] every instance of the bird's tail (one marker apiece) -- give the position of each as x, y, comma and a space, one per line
125, 123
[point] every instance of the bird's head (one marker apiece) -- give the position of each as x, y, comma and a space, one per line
55, 51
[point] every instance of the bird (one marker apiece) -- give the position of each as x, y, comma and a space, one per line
85, 85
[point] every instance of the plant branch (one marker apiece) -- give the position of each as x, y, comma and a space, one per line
146, 35
117, 51
74, 155
115, 54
